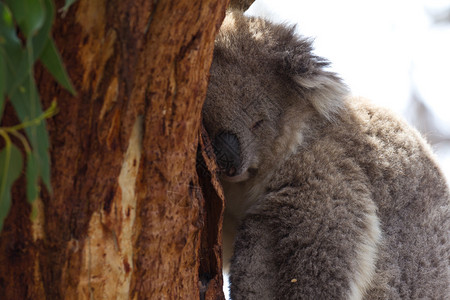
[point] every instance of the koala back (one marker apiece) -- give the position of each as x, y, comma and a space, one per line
372, 169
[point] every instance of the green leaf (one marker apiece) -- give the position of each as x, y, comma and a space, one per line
52, 61
17, 67
8, 34
25, 101
39, 41
10, 45
16, 6
6, 15
20, 60
35, 16
2, 84
7, 30
32, 176
29, 15
14, 55
42, 145
10, 169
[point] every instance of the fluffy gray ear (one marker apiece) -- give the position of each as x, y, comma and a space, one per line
324, 90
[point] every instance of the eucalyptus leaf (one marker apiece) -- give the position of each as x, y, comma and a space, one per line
17, 8
2, 84
10, 169
20, 60
7, 30
32, 177
40, 39
35, 16
14, 55
52, 61
5, 15
9, 41
42, 152
29, 15
17, 67
25, 101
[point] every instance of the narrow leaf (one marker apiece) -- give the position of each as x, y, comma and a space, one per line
52, 61
42, 151
40, 39
10, 169
29, 14
32, 176
27, 105
19, 60
11, 49
25, 100
17, 8
7, 30
2, 84
34, 16
5, 15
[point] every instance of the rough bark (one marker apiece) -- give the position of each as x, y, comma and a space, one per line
211, 243
126, 218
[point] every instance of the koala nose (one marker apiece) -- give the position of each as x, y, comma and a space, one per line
228, 154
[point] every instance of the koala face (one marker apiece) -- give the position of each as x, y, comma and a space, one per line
261, 76
241, 117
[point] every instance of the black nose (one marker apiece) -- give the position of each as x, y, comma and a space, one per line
228, 154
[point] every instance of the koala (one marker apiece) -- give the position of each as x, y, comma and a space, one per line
327, 196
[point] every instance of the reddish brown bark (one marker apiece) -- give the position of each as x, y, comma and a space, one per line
211, 243
126, 219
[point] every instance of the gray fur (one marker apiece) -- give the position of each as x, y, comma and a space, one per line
332, 197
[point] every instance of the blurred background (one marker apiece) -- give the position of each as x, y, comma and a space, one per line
396, 53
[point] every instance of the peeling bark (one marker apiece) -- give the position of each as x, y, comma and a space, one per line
127, 218
211, 242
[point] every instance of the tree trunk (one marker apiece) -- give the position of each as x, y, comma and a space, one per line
126, 218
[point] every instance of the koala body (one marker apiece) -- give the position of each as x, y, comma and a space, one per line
327, 196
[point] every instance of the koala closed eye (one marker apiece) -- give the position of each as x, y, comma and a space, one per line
333, 198
257, 125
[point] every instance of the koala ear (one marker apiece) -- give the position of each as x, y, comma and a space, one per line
324, 90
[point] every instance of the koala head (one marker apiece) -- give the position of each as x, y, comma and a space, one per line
264, 83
